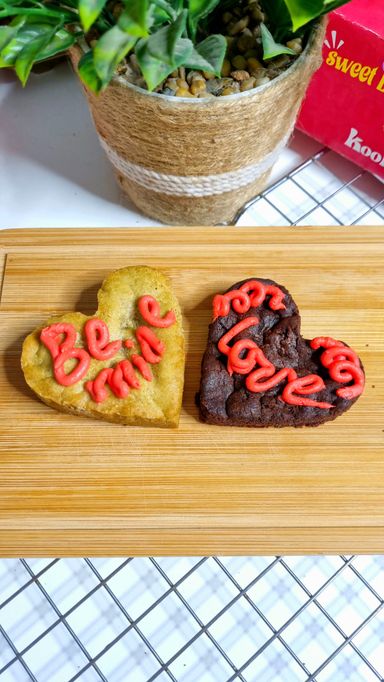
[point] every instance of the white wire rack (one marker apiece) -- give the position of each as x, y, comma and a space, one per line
254, 619
211, 619
323, 190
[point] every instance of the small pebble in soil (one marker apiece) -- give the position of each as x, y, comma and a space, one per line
229, 90
226, 68
239, 62
198, 86
243, 69
295, 45
253, 64
183, 92
247, 84
171, 83
234, 29
261, 81
240, 75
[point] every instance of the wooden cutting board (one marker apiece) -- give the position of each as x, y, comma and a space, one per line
71, 486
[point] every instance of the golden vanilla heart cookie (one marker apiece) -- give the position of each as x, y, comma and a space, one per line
124, 364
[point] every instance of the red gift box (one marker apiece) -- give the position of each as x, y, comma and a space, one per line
344, 106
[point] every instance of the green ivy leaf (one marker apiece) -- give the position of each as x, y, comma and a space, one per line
286, 17
161, 11
30, 52
208, 55
6, 34
279, 20
60, 42
155, 70
271, 48
303, 11
109, 51
39, 11
161, 45
330, 5
28, 29
199, 9
134, 18
89, 10
182, 52
87, 72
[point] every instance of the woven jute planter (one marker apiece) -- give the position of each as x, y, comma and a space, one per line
196, 161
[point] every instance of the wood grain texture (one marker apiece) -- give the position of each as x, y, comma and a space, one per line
75, 487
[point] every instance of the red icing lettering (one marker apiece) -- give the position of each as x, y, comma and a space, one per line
341, 361
246, 364
142, 366
345, 371
64, 350
240, 301
129, 374
149, 309
222, 303
50, 338
324, 342
97, 335
255, 291
251, 294
277, 297
96, 388
239, 327
343, 366
78, 372
221, 306
151, 347
116, 382
254, 356
337, 354
307, 385
254, 384
60, 340
119, 378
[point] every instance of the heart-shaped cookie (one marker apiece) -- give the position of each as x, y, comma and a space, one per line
257, 369
125, 364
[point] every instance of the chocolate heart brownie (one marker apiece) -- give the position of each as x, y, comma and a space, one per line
257, 369
136, 378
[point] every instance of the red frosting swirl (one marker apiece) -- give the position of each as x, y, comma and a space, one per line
254, 384
63, 351
152, 348
251, 294
78, 372
97, 335
340, 360
246, 364
258, 292
343, 366
142, 366
149, 309
50, 336
307, 385
239, 327
60, 340
120, 379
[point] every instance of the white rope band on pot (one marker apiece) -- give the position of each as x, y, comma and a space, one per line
193, 185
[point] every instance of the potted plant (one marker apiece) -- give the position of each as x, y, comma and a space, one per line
193, 100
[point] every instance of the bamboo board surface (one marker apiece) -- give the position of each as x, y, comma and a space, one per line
73, 487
